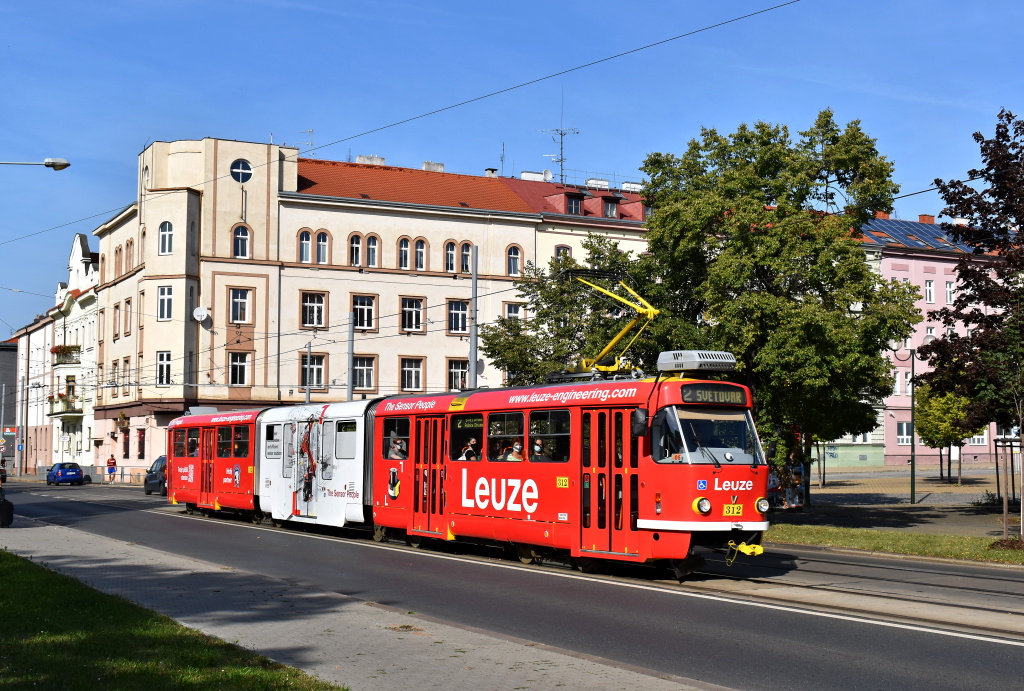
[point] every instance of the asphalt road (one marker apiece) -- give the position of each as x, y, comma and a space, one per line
695, 633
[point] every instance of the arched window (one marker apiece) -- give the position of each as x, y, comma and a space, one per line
118, 253
166, 238
467, 256
371, 252
449, 257
562, 251
513, 261
241, 246
421, 255
103, 268
321, 248
304, 246
355, 246
129, 255
403, 254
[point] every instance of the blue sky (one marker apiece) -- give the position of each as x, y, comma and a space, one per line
96, 82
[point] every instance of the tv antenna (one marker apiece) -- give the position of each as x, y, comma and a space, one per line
560, 159
309, 143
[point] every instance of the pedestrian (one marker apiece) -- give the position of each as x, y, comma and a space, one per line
3, 470
111, 468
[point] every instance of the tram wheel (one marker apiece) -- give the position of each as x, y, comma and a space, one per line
682, 568
380, 533
190, 509
417, 541
586, 565
526, 554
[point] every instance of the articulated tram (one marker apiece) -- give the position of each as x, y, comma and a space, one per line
636, 470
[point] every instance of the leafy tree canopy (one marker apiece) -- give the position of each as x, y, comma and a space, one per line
941, 419
987, 365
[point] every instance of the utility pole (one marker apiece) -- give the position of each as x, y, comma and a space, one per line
561, 132
473, 312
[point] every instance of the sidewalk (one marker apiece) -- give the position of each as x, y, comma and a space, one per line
342, 640
972, 521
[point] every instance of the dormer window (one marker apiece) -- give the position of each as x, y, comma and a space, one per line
574, 205
611, 209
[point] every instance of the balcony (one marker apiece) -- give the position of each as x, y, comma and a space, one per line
66, 355
65, 405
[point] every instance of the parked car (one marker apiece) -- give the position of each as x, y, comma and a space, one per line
70, 473
156, 477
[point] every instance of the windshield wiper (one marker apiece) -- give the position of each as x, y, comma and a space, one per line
704, 451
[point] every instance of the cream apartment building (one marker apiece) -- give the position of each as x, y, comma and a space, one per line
234, 278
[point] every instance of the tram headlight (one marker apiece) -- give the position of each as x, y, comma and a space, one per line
762, 505
702, 505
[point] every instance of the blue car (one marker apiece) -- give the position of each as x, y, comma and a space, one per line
70, 473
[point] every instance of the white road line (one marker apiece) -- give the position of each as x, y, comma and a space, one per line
641, 586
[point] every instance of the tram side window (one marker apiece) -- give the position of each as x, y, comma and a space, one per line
330, 443
241, 446
549, 436
223, 442
289, 450
504, 435
272, 442
395, 444
179, 442
193, 442
665, 440
345, 441
467, 437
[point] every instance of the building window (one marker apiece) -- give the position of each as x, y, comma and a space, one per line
313, 310
950, 292
513, 266
355, 245
163, 367
126, 374
127, 316
421, 255
903, 433
166, 237
979, 439
371, 252
412, 314
929, 291
241, 170
238, 369
312, 374
574, 205
117, 320
304, 246
513, 310
467, 258
611, 210
321, 248
896, 385
129, 255
449, 257
240, 305
908, 383
117, 262
403, 254
163, 303
241, 243
362, 309
458, 316
113, 378
412, 374
562, 251
458, 375
363, 372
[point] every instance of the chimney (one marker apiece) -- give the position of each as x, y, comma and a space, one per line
433, 167
490, 172
881, 215
925, 218
370, 160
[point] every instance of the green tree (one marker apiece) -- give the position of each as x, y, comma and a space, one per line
757, 236
940, 420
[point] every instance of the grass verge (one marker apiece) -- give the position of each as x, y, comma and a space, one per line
894, 542
56, 633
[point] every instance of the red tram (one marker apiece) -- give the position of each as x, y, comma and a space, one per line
631, 470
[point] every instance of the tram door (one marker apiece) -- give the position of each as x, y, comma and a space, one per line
608, 487
207, 448
428, 474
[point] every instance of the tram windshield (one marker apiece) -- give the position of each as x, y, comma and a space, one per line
707, 436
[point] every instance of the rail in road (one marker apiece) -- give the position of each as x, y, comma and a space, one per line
959, 597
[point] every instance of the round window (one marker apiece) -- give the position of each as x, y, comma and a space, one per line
241, 171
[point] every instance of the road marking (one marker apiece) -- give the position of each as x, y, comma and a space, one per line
637, 586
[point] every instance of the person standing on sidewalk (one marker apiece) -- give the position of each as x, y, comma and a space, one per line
111, 468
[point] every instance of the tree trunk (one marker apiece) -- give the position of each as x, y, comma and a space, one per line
949, 465
960, 467
1006, 495
940, 463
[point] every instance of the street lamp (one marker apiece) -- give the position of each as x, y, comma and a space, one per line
54, 163
913, 426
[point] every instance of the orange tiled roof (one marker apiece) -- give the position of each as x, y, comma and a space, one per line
393, 184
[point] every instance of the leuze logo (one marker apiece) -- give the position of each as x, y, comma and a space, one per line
509, 493
733, 485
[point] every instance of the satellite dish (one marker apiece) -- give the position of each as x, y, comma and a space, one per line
200, 314
547, 175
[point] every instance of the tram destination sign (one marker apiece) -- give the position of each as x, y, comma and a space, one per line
719, 394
